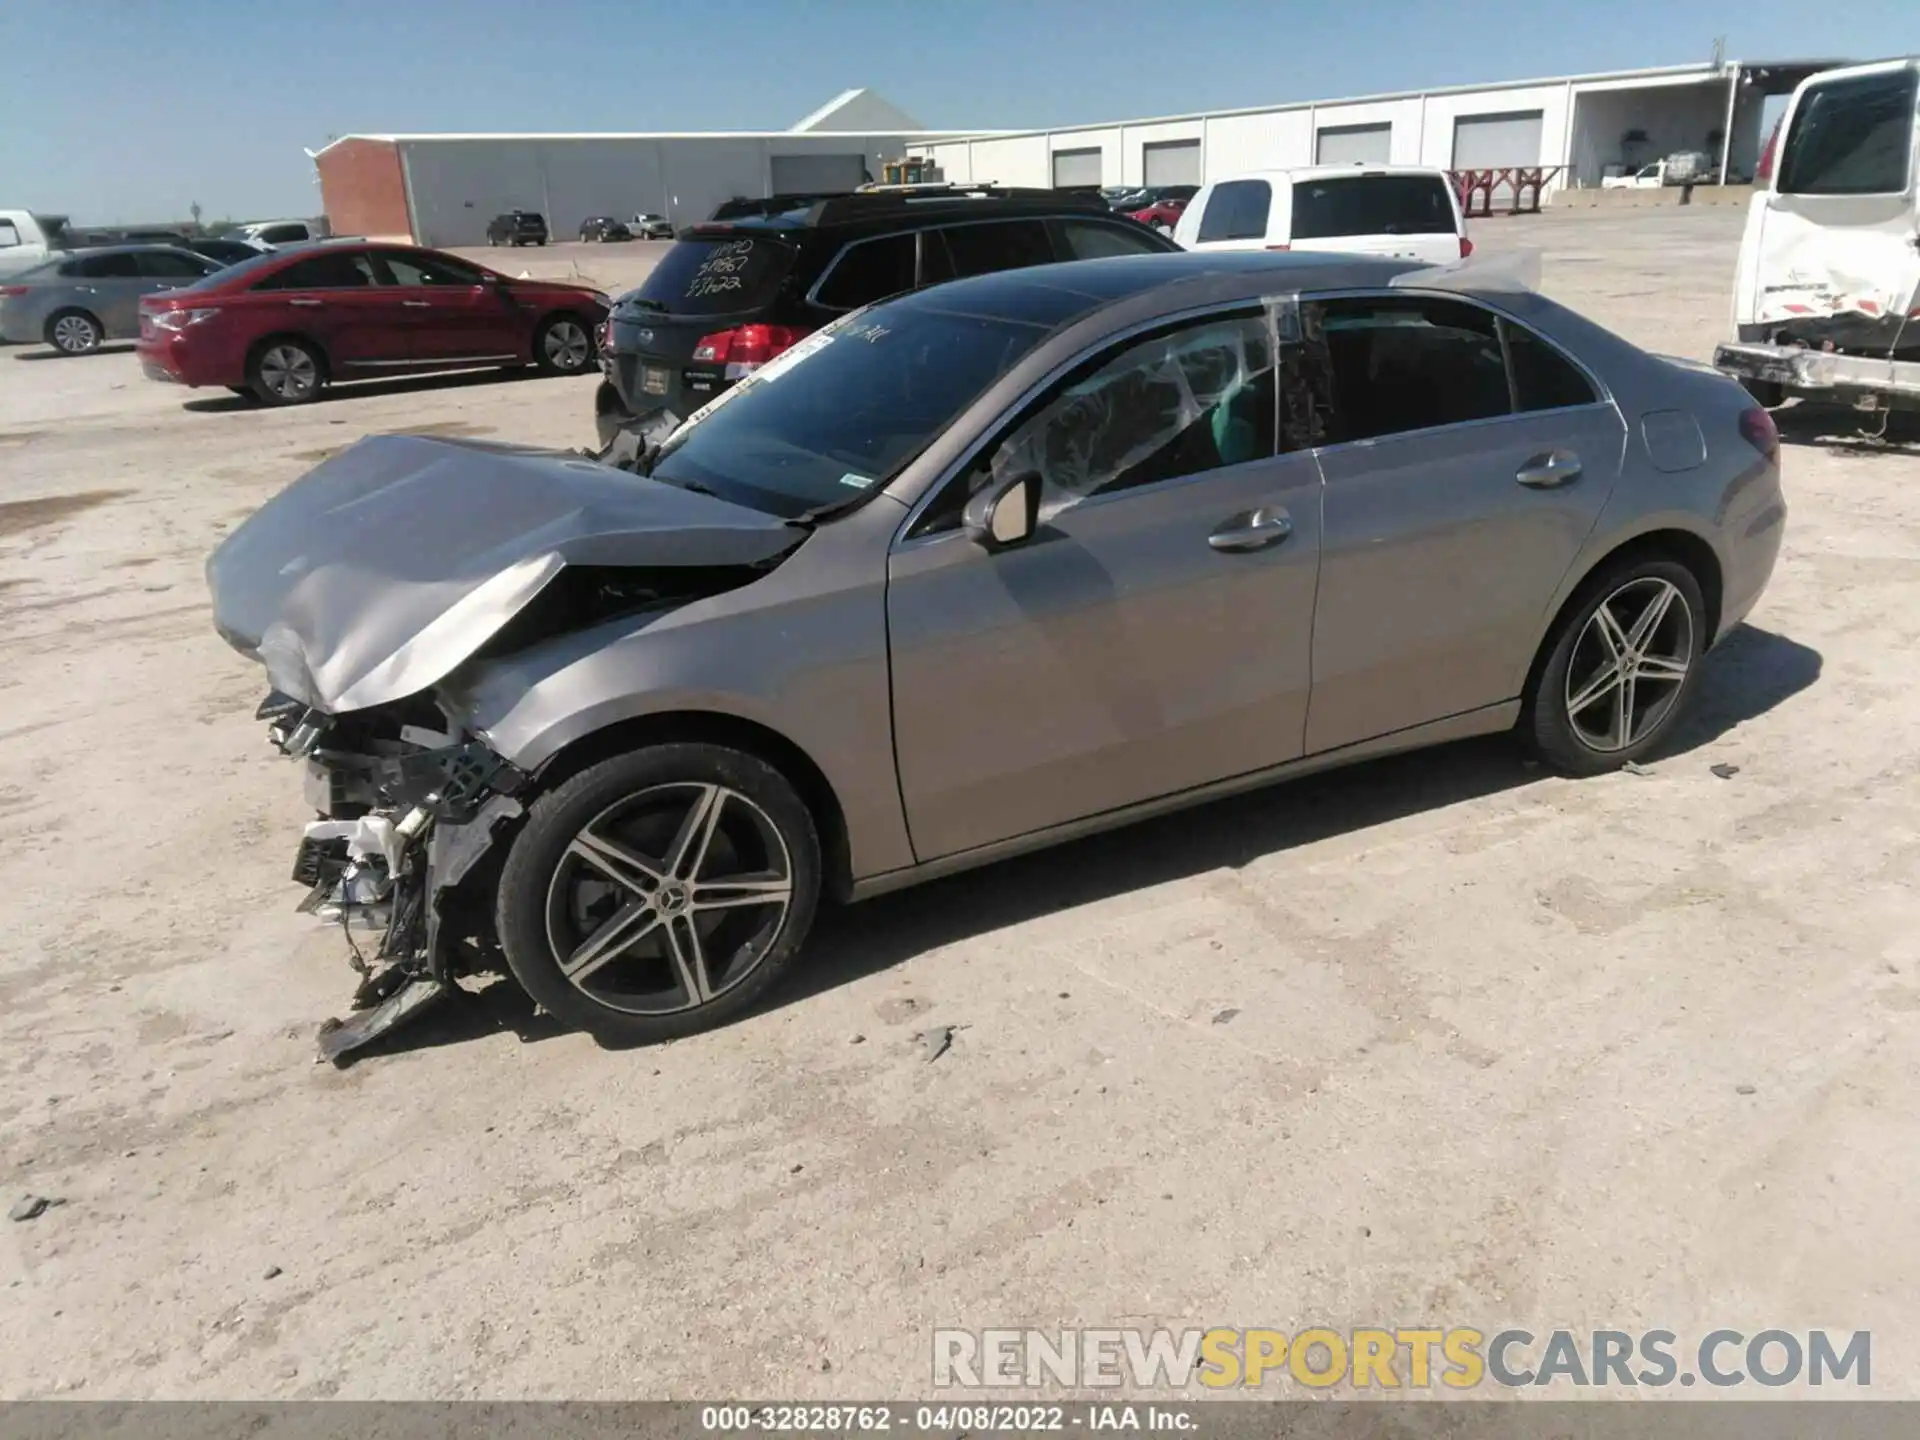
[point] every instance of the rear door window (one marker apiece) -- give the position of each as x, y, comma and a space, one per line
325, 272
994, 245
1404, 363
159, 265
124, 266
869, 270
1543, 378
9, 234
1372, 205
1090, 240
720, 275
1237, 210
1851, 137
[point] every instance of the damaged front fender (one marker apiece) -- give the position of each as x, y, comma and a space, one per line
376, 574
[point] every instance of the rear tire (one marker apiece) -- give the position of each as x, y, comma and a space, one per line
659, 893
1580, 715
286, 372
74, 332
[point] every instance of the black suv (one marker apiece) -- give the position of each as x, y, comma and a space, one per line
732, 294
517, 227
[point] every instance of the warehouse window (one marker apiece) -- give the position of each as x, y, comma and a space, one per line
1237, 210
869, 271
1851, 137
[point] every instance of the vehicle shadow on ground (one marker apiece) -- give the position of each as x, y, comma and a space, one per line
1848, 431
225, 404
110, 347
1750, 673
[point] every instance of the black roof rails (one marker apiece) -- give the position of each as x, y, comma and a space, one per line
885, 201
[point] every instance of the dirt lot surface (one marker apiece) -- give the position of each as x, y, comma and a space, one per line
1439, 1039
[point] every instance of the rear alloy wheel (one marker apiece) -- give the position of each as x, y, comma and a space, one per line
563, 346
1622, 665
287, 372
657, 894
74, 332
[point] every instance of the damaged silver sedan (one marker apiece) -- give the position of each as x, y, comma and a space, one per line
968, 573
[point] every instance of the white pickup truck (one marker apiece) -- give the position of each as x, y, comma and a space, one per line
27, 239
1826, 300
1647, 177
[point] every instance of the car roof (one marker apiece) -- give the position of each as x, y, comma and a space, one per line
138, 247
1056, 294
912, 207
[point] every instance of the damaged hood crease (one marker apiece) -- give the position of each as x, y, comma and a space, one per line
378, 573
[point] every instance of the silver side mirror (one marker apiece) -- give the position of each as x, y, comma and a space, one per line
1004, 513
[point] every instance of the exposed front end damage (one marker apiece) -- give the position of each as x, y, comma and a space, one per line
399, 565
403, 813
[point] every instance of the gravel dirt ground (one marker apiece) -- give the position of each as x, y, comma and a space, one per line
1438, 1039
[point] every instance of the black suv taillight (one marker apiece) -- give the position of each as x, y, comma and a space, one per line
1758, 430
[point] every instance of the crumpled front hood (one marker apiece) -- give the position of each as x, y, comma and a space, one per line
378, 572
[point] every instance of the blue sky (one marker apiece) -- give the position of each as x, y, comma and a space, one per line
119, 110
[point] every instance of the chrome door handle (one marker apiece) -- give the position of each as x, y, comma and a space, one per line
305, 302
1252, 530
1550, 470
417, 304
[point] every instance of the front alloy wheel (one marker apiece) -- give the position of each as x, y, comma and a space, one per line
74, 333
658, 893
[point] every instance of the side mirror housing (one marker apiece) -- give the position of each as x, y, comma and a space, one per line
1005, 513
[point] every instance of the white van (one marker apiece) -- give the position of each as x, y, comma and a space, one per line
1406, 211
1826, 298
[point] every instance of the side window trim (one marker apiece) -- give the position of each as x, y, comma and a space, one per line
1604, 398
1042, 389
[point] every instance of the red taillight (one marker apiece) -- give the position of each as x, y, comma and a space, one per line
12, 290
1279, 247
1758, 430
1466, 247
745, 348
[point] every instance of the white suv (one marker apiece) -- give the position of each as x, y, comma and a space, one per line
1409, 212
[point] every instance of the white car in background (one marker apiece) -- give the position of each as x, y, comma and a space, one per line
1647, 177
1407, 212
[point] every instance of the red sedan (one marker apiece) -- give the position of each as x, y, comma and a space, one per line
286, 325
1163, 214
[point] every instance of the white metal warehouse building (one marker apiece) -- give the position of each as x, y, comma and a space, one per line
1586, 125
443, 189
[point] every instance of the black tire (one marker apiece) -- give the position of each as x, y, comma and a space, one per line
286, 371
547, 897
74, 332
1548, 723
563, 345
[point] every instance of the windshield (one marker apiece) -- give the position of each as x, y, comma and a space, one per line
1372, 205
844, 410
717, 276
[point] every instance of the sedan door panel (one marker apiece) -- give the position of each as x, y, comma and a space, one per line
1440, 566
1114, 658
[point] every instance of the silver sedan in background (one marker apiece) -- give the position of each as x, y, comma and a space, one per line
76, 301
967, 573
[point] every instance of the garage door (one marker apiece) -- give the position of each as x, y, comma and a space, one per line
1076, 167
1486, 142
1171, 162
818, 174
1353, 145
